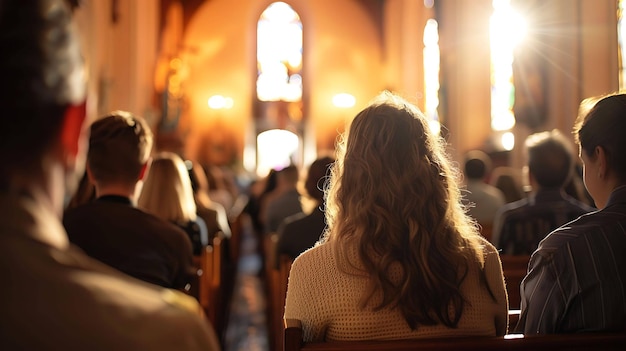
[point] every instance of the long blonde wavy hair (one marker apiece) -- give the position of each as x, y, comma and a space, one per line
393, 198
167, 191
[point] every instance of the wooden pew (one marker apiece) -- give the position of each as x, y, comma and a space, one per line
216, 307
514, 268
202, 284
556, 342
279, 294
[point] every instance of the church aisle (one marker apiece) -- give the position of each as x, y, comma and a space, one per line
247, 325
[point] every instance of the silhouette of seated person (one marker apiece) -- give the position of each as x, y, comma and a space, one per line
283, 201
258, 191
213, 213
508, 180
54, 297
301, 231
111, 228
167, 194
483, 199
521, 225
221, 187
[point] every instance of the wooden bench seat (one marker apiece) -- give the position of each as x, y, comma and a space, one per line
556, 342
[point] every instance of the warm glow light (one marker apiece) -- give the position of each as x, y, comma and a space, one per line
431, 74
249, 158
275, 149
507, 30
508, 141
435, 127
218, 102
344, 100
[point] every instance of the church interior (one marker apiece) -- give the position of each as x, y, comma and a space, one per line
254, 85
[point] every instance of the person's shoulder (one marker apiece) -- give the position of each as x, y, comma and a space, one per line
294, 221
488, 249
168, 318
513, 208
312, 257
494, 193
80, 211
579, 205
156, 223
569, 233
123, 311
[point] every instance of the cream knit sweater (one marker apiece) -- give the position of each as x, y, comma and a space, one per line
326, 300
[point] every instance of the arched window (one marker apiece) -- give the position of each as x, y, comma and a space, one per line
278, 104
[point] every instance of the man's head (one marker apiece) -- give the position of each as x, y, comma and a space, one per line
477, 165
119, 149
550, 158
316, 178
288, 177
42, 85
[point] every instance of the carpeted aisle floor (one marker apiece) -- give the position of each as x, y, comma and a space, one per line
247, 324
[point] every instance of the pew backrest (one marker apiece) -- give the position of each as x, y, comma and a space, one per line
514, 268
554, 342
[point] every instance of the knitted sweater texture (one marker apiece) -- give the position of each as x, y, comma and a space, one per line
328, 302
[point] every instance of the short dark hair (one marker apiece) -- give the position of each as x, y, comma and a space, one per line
550, 158
119, 146
42, 75
477, 164
318, 174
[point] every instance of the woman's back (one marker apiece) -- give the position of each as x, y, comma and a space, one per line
333, 312
400, 258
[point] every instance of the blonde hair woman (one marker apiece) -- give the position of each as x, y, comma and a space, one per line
400, 257
167, 193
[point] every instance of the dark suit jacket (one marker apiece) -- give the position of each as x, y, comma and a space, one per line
300, 232
137, 243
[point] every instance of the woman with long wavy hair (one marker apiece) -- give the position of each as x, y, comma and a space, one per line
400, 257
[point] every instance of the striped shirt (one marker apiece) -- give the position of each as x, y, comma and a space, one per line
576, 278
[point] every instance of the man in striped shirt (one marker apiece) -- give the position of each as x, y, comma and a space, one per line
577, 277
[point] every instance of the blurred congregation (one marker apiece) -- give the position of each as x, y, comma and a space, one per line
313, 174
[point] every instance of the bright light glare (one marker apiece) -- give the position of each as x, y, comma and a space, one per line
431, 73
275, 148
507, 30
218, 102
435, 127
508, 141
279, 54
249, 158
344, 100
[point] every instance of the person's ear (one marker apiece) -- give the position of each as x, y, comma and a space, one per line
72, 129
90, 176
144, 169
